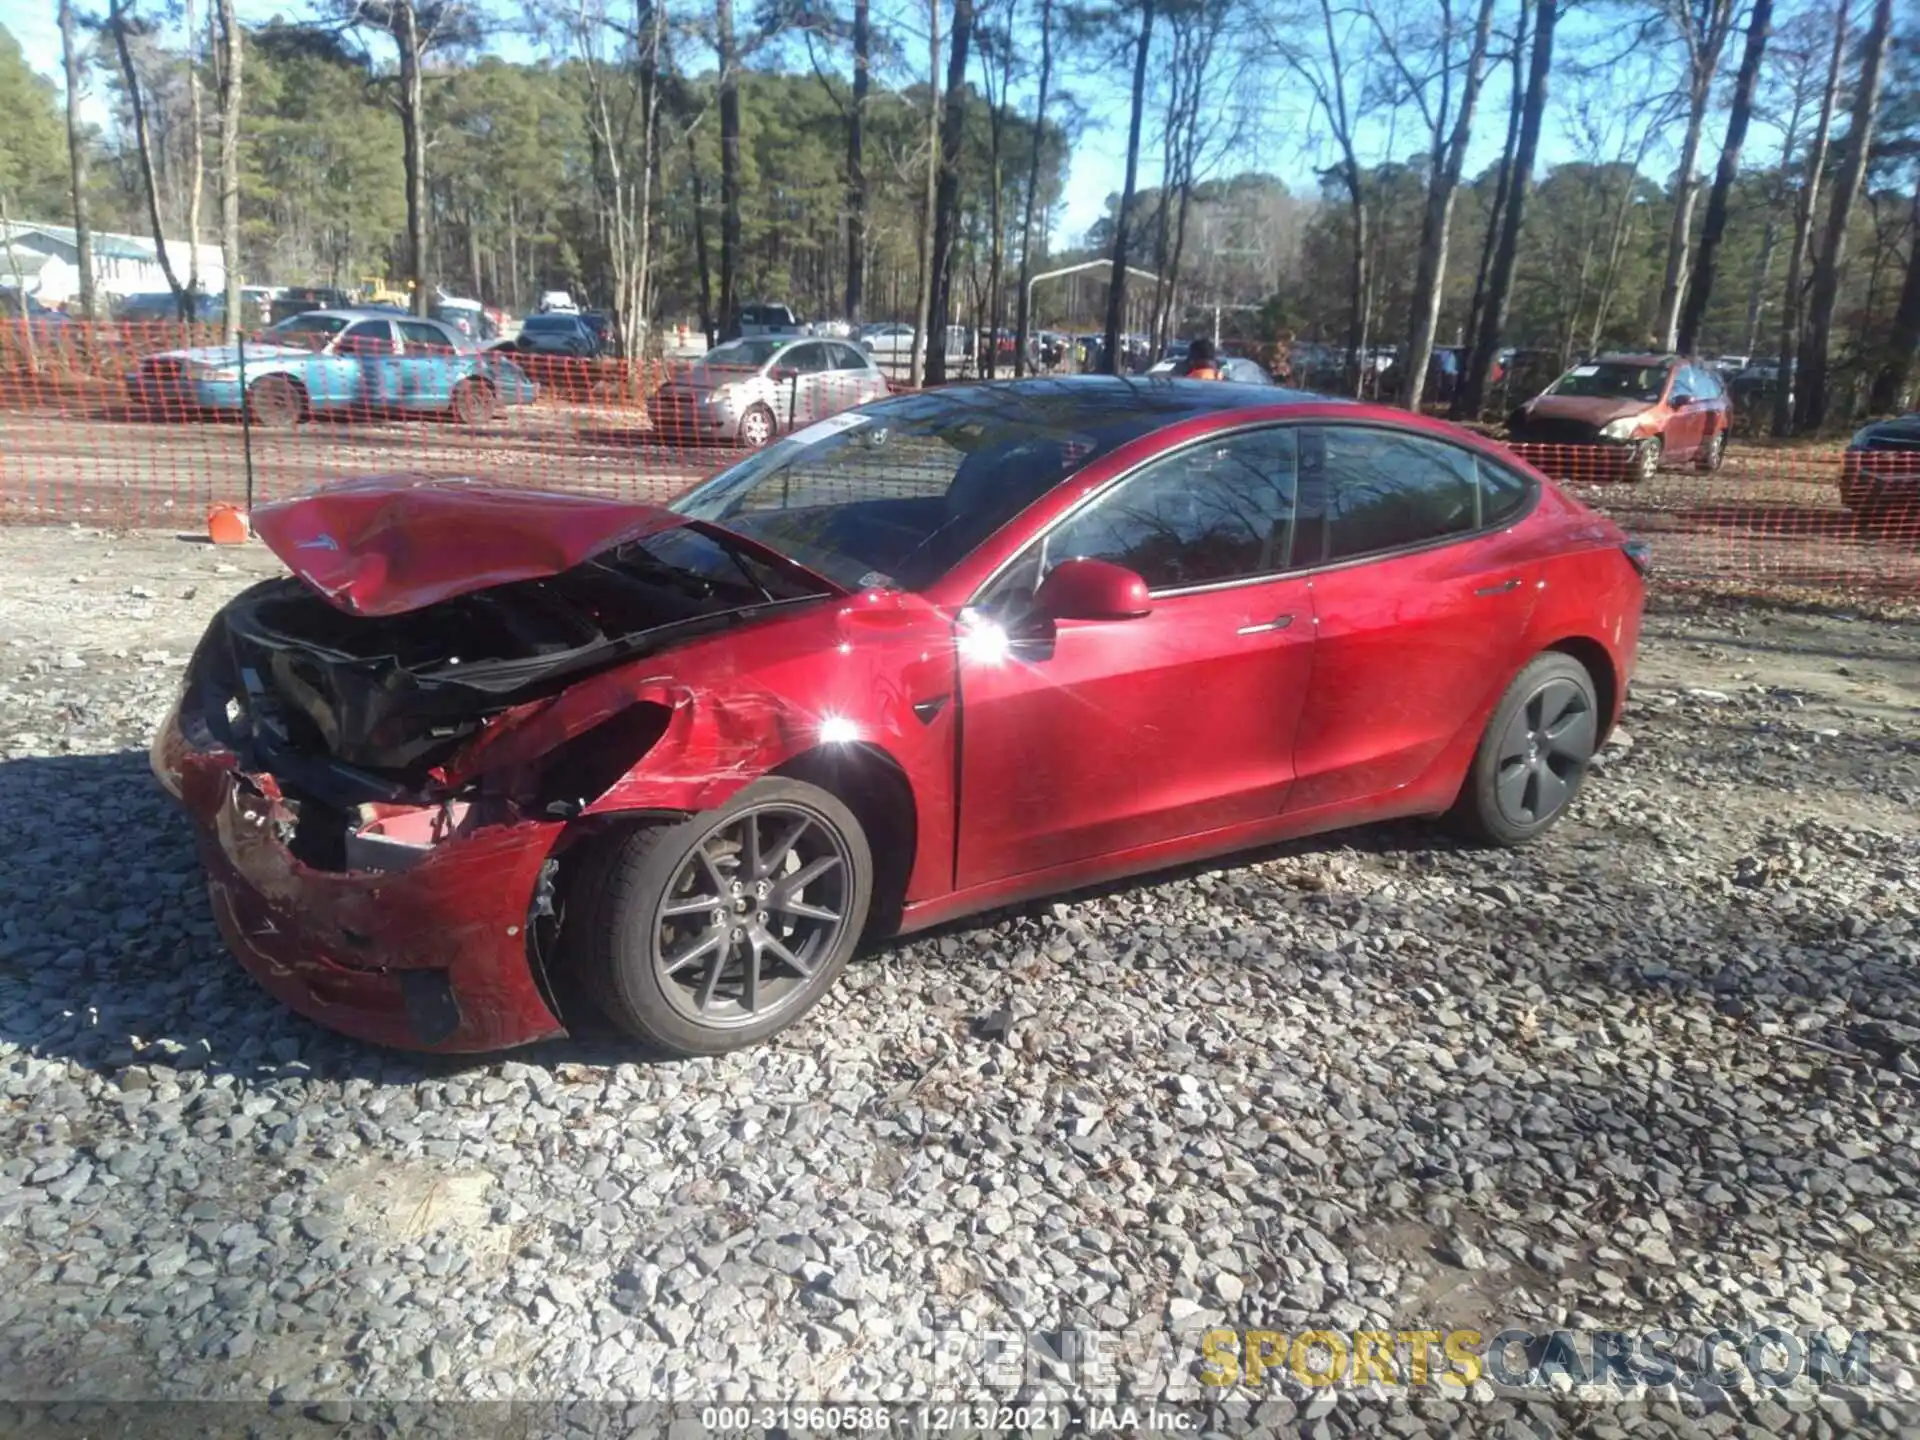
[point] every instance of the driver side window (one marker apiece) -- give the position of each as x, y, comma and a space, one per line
1216, 512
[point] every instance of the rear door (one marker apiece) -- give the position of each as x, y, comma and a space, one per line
1419, 606
806, 393
1091, 738
430, 365
360, 370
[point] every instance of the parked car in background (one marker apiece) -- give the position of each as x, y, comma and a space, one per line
890, 343
954, 651
1235, 369
162, 305
746, 392
1648, 410
755, 320
1880, 472
20, 311
606, 339
557, 332
469, 317
556, 302
322, 362
304, 299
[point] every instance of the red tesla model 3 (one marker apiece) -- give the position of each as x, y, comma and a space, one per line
941, 653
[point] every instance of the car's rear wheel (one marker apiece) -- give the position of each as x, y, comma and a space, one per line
722, 930
1712, 453
1534, 753
473, 402
1644, 463
756, 427
274, 402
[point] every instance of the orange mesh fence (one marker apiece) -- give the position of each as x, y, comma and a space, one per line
141, 425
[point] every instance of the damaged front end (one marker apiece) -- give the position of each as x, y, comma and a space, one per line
359, 868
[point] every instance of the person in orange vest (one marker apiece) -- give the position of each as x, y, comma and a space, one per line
1201, 363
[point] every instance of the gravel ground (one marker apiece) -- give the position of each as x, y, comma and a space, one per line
1659, 1071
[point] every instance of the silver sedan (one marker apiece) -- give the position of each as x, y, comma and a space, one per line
748, 391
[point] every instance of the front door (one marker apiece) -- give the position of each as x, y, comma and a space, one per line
1090, 738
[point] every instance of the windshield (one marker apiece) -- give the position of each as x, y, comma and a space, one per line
897, 493
1613, 380
744, 354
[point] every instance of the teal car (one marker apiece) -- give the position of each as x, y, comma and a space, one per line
333, 362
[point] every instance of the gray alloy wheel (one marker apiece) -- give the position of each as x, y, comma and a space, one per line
756, 427
756, 907
1534, 753
724, 929
1644, 464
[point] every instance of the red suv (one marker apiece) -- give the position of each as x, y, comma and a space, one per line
1647, 410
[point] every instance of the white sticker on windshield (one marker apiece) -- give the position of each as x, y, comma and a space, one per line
1584, 370
832, 425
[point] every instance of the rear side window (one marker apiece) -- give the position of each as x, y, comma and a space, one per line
1380, 490
1503, 493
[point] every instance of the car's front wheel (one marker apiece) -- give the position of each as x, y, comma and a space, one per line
1644, 463
1534, 753
756, 427
722, 930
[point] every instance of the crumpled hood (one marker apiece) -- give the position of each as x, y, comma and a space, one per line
394, 543
1594, 410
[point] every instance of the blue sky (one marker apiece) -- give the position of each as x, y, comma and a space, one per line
1289, 141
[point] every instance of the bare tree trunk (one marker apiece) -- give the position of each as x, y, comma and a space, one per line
729, 163
196, 153
1713, 228
1890, 381
1811, 389
1117, 282
1686, 190
77, 159
707, 326
923, 300
640, 325
116, 22
856, 166
1496, 214
1493, 318
1436, 223
946, 208
406, 36
230, 50
1024, 301
1803, 210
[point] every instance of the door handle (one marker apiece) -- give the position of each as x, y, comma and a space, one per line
1501, 589
1278, 623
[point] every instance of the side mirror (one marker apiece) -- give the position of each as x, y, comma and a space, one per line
1680, 402
783, 373
1091, 590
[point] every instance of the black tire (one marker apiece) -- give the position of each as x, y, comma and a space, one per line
641, 935
275, 402
757, 416
1644, 463
473, 401
1534, 755
1712, 454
